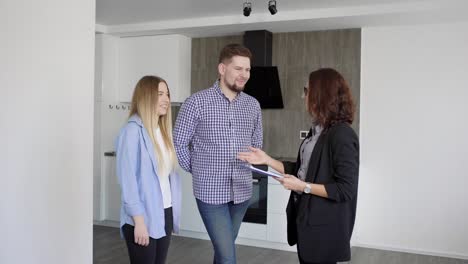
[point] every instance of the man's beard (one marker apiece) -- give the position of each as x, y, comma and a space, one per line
233, 87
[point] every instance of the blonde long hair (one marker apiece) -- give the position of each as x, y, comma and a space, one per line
144, 101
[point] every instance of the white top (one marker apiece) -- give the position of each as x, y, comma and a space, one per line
163, 174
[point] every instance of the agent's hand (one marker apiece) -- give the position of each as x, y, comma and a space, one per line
255, 156
141, 234
292, 183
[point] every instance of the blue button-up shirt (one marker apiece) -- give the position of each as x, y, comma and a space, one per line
137, 171
209, 132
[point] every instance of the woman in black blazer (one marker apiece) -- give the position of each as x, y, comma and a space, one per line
322, 205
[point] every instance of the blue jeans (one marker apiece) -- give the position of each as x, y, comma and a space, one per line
222, 221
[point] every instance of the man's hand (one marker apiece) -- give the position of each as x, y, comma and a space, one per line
255, 156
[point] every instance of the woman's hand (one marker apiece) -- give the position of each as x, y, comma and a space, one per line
141, 234
255, 156
292, 183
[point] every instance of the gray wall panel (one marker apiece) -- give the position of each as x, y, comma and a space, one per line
296, 54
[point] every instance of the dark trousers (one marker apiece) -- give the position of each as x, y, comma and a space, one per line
156, 251
303, 262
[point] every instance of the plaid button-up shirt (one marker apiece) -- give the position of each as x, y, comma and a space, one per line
209, 132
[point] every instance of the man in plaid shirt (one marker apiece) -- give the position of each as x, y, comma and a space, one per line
213, 125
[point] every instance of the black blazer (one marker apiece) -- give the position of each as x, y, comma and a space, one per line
322, 227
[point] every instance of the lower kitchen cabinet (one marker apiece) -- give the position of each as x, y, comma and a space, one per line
277, 198
276, 228
276, 214
111, 190
253, 231
190, 217
272, 235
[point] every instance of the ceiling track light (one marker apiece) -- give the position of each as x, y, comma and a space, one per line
272, 7
247, 8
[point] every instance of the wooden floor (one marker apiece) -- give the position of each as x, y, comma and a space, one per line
109, 248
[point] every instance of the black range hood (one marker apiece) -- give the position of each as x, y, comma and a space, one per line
264, 82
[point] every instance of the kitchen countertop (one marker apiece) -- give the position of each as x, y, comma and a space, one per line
290, 159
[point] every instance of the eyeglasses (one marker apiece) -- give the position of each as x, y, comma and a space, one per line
305, 92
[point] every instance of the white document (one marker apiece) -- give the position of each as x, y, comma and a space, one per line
268, 173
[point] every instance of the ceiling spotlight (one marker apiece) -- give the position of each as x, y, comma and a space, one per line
272, 7
247, 8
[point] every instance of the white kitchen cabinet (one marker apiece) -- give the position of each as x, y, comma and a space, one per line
105, 78
276, 213
98, 50
112, 119
190, 217
276, 228
112, 191
167, 56
277, 199
253, 231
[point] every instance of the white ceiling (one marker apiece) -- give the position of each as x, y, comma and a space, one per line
115, 12
224, 17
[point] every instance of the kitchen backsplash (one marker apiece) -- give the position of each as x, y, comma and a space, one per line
295, 54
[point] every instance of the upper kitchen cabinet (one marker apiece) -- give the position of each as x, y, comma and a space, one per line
105, 80
166, 56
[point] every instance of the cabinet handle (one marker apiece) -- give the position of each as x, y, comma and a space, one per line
109, 154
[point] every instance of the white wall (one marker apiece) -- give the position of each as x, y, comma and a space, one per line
98, 80
47, 69
414, 146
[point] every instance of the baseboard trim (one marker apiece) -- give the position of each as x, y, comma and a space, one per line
286, 247
242, 241
108, 223
412, 251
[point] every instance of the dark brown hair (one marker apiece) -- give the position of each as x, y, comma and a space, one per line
232, 50
329, 98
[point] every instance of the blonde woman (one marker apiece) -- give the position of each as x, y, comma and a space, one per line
151, 193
